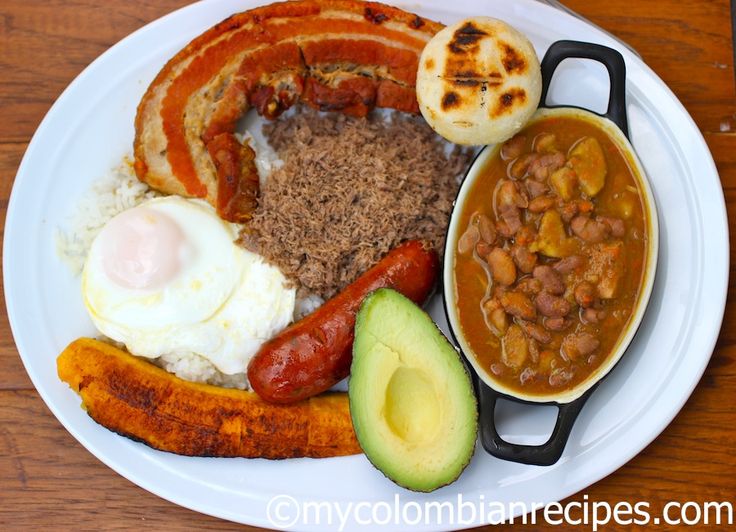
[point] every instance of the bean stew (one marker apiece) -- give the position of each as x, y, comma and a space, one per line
550, 259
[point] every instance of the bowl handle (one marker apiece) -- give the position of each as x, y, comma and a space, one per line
545, 454
610, 58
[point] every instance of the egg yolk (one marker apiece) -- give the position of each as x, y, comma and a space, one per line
142, 249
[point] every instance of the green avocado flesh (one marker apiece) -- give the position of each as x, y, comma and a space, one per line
411, 399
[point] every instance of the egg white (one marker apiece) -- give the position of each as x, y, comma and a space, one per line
222, 305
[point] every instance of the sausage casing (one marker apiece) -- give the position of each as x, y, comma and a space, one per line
315, 353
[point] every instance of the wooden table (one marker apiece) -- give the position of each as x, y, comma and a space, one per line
48, 480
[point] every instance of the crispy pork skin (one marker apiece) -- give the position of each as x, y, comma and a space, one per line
335, 55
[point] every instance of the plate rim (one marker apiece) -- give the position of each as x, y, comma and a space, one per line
11, 296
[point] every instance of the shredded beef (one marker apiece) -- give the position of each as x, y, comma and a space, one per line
350, 190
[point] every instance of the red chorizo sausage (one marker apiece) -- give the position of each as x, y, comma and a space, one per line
315, 353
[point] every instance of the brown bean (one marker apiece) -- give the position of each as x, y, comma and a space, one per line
515, 347
535, 188
554, 160
503, 229
524, 259
550, 278
483, 248
529, 285
591, 315
519, 305
588, 315
527, 375
508, 195
500, 320
569, 264
576, 345
618, 228
555, 324
489, 305
496, 316
536, 331
541, 167
552, 306
513, 147
511, 216
485, 226
541, 204
519, 167
468, 239
499, 290
502, 266
544, 143
590, 230
560, 376
585, 294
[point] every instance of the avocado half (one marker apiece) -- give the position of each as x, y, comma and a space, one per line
411, 399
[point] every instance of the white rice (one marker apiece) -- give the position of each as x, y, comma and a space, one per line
107, 197
305, 305
195, 368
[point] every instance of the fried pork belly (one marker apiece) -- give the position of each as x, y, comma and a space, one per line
335, 55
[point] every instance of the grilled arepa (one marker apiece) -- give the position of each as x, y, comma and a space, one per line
336, 55
136, 399
479, 81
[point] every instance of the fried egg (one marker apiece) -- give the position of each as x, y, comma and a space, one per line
166, 277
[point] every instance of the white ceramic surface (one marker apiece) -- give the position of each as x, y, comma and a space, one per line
90, 128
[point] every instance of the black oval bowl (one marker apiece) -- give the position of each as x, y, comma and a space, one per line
569, 402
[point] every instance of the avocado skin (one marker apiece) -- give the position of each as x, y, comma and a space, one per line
385, 317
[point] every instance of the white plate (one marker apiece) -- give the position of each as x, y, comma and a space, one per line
90, 128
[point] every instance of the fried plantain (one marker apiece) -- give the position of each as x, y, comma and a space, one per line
136, 399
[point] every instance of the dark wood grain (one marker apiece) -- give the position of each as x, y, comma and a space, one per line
48, 480
688, 44
13, 376
45, 45
723, 147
